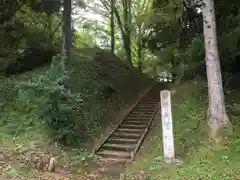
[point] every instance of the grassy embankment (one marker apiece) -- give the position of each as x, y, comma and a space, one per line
200, 159
106, 85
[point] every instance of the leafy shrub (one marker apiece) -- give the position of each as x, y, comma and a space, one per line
53, 102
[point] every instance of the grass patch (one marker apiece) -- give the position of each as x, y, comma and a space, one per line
17, 172
200, 159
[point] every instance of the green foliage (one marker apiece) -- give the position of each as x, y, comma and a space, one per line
50, 100
28, 30
85, 38
185, 63
176, 37
229, 45
193, 57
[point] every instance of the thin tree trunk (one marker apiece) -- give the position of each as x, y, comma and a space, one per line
139, 53
218, 121
124, 32
129, 29
125, 35
56, 29
67, 31
112, 26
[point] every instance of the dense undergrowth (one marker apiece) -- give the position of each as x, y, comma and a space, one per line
200, 160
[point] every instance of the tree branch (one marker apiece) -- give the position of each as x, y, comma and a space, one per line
106, 5
119, 21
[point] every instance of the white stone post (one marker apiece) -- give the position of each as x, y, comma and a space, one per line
167, 126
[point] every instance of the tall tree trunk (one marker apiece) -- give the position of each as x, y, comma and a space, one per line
127, 31
218, 121
67, 31
112, 26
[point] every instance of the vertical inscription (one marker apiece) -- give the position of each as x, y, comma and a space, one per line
167, 127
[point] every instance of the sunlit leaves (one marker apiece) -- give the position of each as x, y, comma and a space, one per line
85, 38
